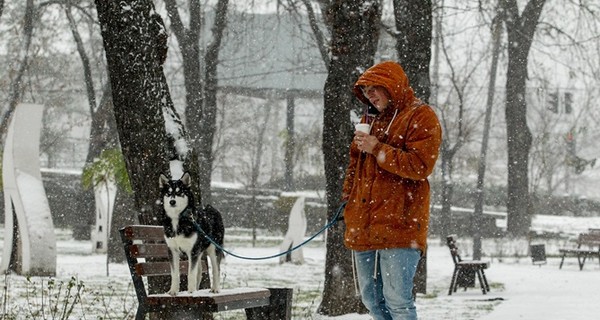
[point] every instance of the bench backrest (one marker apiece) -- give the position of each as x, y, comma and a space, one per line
147, 255
594, 230
451, 242
591, 239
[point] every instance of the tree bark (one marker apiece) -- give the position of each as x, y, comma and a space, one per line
134, 55
520, 29
135, 45
413, 43
354, 37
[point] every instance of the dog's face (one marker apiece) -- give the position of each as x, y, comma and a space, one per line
176, 194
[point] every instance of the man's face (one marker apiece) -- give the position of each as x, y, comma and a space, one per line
378, 96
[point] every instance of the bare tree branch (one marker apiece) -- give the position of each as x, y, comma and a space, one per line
85, 61
319, 37
16, 85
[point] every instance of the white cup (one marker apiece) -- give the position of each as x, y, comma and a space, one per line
364, 127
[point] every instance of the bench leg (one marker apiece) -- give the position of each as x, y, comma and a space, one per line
481, 276
487, 286
279, 308
561, 261
581, 261
480, 281
453, 281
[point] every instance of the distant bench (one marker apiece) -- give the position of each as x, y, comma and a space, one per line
465, 270
588, 245
147, 256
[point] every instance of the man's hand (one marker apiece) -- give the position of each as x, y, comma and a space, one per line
365, 142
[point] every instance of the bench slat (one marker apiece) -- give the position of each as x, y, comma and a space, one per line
163, 268
205, 297
203, 300
149, 250
579, 251
146, 233
474, 264
590, 239
149, 269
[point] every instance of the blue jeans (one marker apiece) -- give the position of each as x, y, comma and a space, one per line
388, 293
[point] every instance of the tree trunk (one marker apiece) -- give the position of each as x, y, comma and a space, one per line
354, 37
189, 45
290, 145
413, 43
256, 165
201, 93
208, 124
135, 45
520, 31
480, 195
140, 93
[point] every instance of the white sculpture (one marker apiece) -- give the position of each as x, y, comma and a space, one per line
25, 198
295, 234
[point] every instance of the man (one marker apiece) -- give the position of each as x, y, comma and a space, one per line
387, 213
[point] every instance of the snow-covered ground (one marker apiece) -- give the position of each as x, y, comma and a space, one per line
519, 289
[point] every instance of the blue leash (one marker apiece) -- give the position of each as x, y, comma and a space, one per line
335, 219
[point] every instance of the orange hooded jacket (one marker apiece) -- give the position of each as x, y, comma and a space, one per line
388, 191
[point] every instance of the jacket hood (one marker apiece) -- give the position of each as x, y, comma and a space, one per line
391, 76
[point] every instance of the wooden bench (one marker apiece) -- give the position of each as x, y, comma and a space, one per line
147, 256
465, 270
588, 245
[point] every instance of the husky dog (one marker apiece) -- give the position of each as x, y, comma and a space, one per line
186, 229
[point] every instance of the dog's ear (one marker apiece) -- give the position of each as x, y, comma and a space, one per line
162, 180
186, 179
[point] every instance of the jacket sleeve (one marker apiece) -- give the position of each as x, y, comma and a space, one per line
416, 159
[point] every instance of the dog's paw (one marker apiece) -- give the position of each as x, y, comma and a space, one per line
173, 291
215, 290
